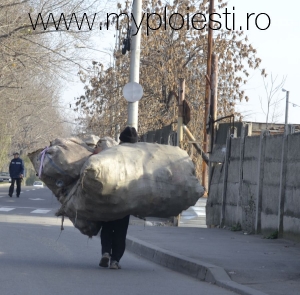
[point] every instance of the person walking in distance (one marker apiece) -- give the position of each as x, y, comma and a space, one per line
16, 171
113, 233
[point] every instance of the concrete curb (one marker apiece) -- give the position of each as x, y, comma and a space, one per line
194, 268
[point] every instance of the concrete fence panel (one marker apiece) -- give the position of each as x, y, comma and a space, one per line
249, 183
271, 183
232, 188
214, 202
260, 188
291, 218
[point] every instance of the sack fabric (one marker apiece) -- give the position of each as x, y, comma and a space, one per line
141, 179
62, 163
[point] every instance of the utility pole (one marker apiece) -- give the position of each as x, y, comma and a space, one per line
286, 111
214, 98
180, 111
206, 137
135, 60
213, 108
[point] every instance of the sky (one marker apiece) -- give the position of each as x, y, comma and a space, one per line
278, 46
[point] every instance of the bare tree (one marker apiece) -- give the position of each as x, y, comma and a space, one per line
33, 63
270, 104
167, 55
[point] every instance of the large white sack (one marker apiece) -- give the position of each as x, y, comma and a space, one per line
141, 179
106, 142
59, 165
91, 140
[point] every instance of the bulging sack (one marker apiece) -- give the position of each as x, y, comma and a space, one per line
59, 165
141, 179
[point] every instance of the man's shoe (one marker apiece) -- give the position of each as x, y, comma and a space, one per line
104, 260
114, 265
18, 196
10, 195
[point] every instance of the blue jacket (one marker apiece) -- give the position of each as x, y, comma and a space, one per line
16, 167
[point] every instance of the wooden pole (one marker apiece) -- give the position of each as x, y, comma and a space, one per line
180, 111
181, 97
207, 93
214, 98
195, 144
213, 109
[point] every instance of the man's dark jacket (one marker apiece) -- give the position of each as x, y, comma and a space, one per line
16, 167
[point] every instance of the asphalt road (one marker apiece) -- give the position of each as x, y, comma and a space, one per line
30, 200
36, 257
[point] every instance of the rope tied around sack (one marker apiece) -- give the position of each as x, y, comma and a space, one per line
43, 152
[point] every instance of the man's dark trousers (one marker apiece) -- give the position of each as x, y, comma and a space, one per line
113, 237
11, 188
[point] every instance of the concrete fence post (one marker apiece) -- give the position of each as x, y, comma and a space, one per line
244, 132
282, 186
260, 177
226, 163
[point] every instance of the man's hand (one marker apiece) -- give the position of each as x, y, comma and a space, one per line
21, 175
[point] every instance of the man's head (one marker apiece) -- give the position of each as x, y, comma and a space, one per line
129, 135
16, 155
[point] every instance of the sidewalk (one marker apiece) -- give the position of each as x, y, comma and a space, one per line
246, 264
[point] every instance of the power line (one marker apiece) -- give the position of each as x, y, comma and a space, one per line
294, 105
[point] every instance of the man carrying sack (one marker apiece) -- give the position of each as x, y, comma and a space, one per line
113, 233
